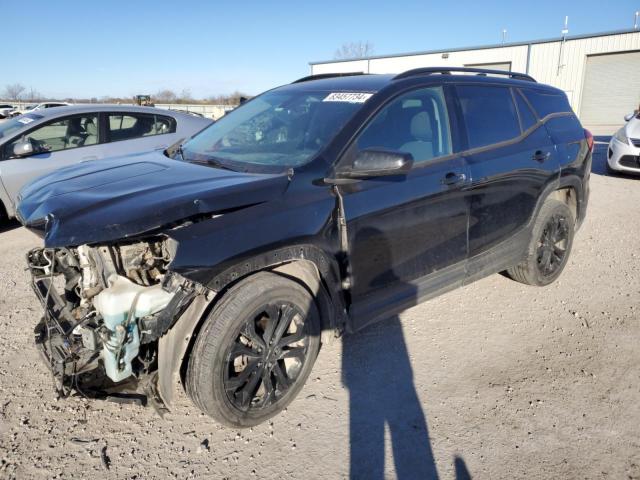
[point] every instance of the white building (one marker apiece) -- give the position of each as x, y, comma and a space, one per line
599, 72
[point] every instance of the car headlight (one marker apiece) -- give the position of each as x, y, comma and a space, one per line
621, 136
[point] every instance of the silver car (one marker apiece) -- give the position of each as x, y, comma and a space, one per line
38, 142
6, 110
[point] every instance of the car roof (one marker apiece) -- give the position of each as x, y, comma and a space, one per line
105, 107
351, 82
364, 82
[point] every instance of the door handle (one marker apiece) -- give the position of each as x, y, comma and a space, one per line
541, 156
453, 178
91, 157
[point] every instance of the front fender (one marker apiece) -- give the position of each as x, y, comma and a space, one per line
215, 251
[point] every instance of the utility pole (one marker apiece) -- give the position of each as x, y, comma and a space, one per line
564, 32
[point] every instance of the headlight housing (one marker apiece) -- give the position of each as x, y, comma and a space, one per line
621, 136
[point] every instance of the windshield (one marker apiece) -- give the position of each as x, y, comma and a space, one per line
281, 128
8, 127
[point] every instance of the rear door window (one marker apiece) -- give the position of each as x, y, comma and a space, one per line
546, 103
127, 126
489, 114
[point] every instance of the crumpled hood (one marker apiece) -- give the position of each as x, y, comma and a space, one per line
110, 199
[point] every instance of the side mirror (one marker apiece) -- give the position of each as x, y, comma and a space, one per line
628, 117
23, 148
377, 163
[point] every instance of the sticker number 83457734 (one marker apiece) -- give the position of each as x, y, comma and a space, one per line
349, 97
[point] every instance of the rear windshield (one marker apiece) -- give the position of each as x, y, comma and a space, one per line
546, 103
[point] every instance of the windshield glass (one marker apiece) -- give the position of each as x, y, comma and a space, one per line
281, 128
8, 127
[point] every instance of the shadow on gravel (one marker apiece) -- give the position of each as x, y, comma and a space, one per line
7, 225
376, 369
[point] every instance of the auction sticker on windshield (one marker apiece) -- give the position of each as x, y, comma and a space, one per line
28, 118
349, 97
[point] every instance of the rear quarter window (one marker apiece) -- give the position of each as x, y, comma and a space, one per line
546, 103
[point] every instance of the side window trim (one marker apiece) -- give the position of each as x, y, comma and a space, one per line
459, 141
525, 131
526, 100
518, 113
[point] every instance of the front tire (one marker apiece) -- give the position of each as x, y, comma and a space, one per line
549, 248
254, 351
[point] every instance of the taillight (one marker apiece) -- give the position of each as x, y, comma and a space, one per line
589, 137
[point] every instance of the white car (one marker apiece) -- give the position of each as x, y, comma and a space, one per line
624, 148
39, 106
6, 110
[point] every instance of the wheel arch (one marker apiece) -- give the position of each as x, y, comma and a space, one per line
307, 265
567, 189
569, 196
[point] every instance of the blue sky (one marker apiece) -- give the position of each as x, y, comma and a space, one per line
95, 48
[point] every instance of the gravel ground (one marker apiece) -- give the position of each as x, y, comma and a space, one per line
494, 380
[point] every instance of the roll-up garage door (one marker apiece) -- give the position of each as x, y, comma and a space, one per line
611, 90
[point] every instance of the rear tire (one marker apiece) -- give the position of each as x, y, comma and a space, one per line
254, 351
550, 246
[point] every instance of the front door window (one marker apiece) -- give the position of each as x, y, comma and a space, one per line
71, 132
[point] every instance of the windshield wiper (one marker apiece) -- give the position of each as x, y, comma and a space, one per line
214, 162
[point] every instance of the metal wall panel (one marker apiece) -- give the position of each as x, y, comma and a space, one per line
562, 65
491, 66
517, 56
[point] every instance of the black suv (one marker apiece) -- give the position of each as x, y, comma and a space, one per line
313, 209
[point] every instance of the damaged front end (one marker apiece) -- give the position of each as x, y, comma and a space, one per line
105, 307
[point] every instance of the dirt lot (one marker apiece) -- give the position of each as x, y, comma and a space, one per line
495, 380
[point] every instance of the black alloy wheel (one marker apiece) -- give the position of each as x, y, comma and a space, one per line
266, 357
549, 245
255, 350
552, 247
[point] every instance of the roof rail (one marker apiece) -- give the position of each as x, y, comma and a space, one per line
320, 76
448, 70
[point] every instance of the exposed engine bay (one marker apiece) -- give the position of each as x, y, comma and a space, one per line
103, 312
